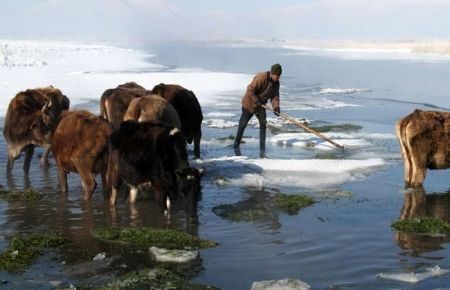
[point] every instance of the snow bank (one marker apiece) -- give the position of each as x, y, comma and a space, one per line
84, 71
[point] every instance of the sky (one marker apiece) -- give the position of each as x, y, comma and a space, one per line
233, 19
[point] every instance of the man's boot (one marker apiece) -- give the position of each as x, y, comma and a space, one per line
262, 141
237, 141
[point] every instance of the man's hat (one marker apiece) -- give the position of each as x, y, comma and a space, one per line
276, 69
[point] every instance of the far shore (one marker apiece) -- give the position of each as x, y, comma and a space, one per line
441, 47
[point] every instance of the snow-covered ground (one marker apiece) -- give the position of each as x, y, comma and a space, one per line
83, 71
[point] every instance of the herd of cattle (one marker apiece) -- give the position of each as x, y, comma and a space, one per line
139, 139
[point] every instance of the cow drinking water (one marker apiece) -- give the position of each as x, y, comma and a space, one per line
150, 152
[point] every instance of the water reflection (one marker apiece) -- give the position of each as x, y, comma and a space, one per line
418, 204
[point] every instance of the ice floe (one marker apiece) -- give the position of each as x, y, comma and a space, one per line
283, 284
347, 91
308, 173
175, 256
413, 277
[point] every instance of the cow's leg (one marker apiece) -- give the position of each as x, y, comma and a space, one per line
85, 169
29, 150
160, 197
197, 138
88, 183
62, 179
419, 170
44, 158
133, 194
113, 196
11, 158
106, 184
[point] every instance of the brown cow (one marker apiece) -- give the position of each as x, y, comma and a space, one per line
29, 122
149, 152
189, 110
152, 108
80, 144
424, 138
114, 102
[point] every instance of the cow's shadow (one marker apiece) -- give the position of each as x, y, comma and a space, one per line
418, 204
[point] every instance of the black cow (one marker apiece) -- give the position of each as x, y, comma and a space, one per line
186, 104
149, 152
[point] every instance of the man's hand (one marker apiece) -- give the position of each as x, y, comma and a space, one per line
276, 111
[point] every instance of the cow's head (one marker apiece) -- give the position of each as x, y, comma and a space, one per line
44, 123
188, 183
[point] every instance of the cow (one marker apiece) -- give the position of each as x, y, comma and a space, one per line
114, 102
155, 153
29, 122
80, 144
152, 108
189, 110
424, 138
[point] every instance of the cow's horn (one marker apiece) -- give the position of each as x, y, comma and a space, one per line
47, 105
173, 131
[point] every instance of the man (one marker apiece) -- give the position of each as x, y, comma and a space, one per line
265, 86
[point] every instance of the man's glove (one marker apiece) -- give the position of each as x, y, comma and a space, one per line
276, 111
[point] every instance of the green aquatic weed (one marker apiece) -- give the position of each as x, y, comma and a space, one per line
429, 225
291, 204
166, 238
24, 250
345, 128
156, 278
25, 194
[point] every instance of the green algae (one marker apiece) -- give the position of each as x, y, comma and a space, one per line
291, 204
242, 212
22, 251
145, 236
255, 210
342, 128
26, 194
156, 279
425, 225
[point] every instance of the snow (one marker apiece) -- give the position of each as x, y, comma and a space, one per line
84, 71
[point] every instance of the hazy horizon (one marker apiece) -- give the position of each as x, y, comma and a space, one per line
141, 20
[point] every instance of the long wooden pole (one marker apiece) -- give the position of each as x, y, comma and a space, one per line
306, 128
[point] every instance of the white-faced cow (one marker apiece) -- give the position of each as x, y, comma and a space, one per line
186, 104
114, 102
149, 152
80, 144
424, 138
29, 122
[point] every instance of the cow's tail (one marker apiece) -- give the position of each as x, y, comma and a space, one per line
401, 132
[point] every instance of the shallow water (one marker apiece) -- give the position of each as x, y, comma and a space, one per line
341, 242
